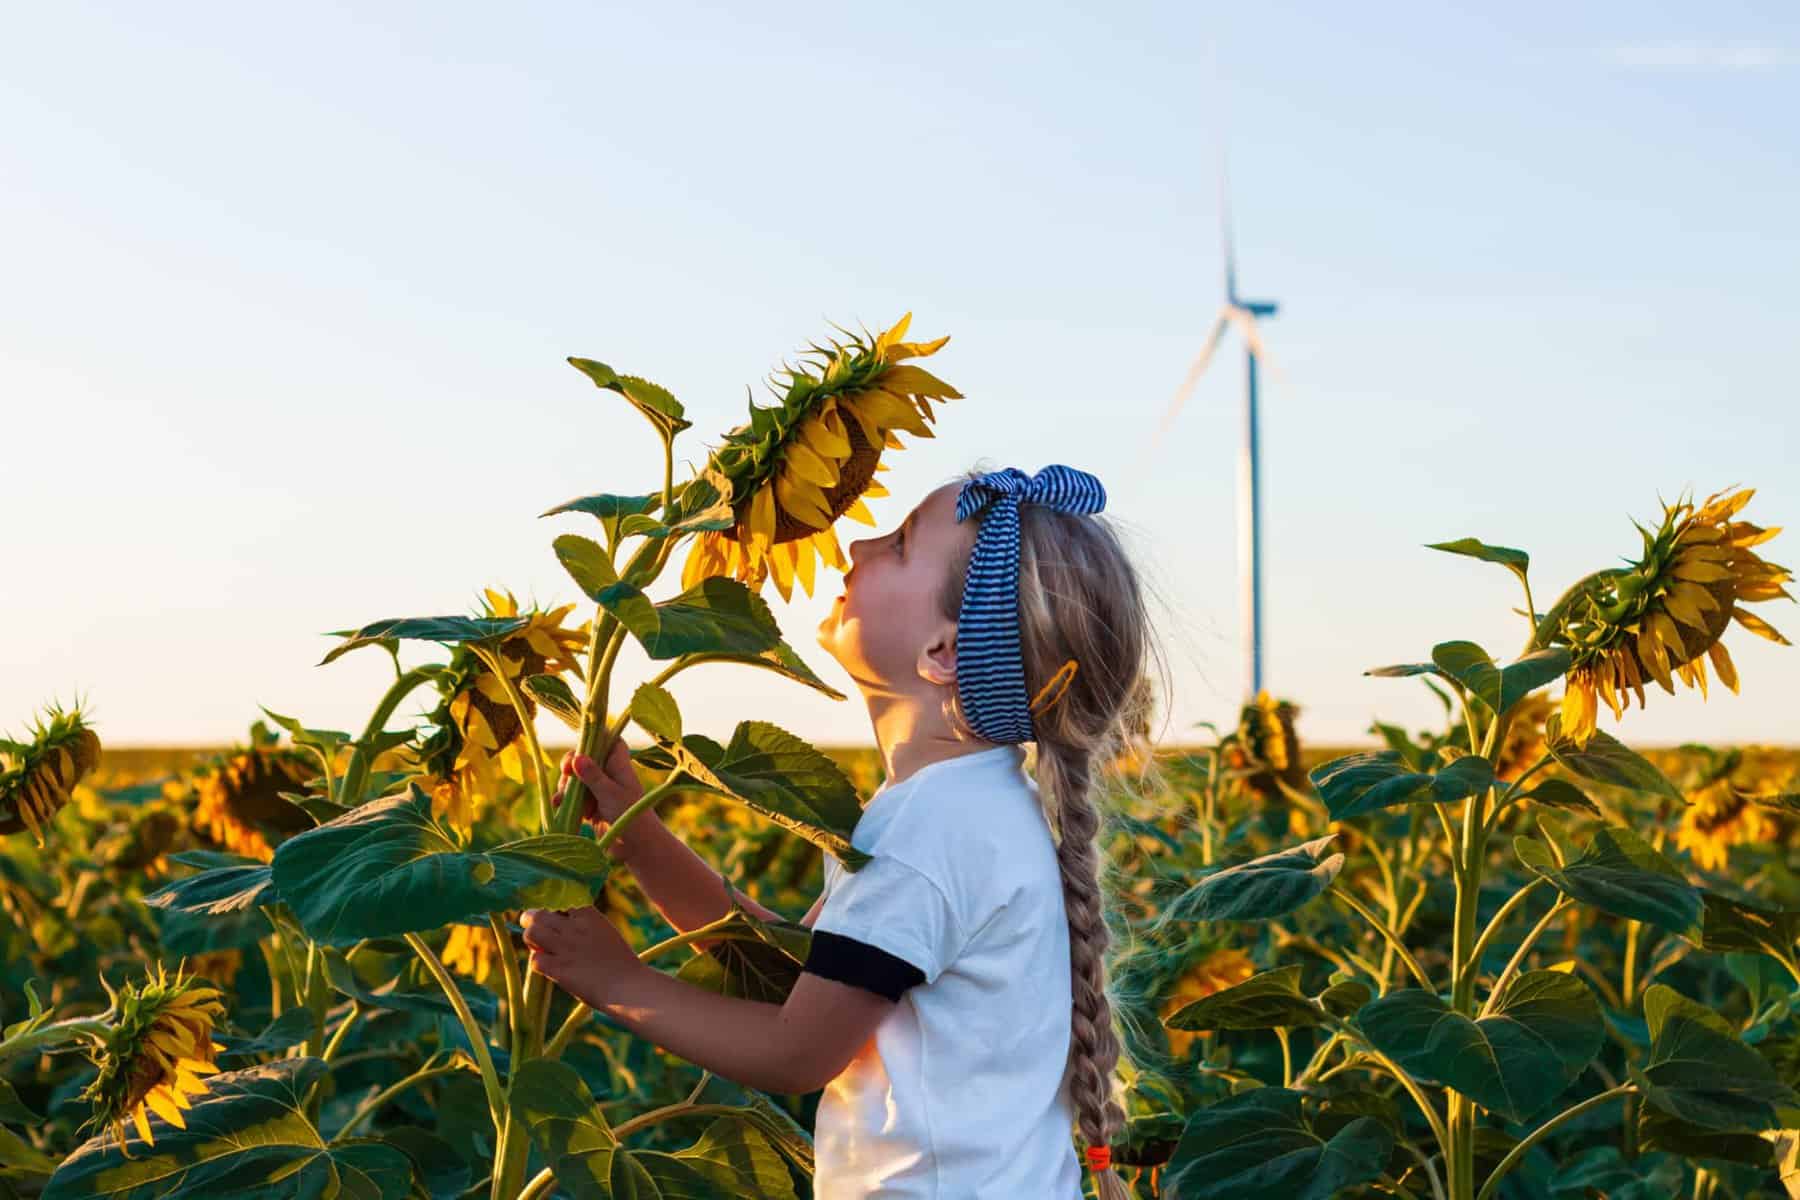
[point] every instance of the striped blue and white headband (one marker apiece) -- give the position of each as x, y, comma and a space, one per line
990, 661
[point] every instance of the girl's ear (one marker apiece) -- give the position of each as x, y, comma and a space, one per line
937, 658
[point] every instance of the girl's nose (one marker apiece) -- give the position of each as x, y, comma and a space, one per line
856, 550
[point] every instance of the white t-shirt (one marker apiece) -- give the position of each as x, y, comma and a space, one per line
963, 1092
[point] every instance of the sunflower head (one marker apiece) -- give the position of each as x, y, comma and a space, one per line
1222, 968
159, 1047
800, 464
471, 950
479, 734
238, 801
1662, 617
38, 775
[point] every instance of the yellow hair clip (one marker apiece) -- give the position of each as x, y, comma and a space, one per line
1065, 675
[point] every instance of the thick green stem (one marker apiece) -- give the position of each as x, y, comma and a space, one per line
515, 991
1518, 958
1542, 1131
1473, 966
490, 1078
540, 1185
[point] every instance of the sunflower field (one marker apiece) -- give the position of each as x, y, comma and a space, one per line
1501, 958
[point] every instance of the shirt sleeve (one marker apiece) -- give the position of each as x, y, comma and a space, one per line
887, 927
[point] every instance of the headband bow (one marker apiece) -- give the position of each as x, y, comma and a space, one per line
990, 663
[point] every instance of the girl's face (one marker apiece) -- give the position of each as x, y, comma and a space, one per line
887, 628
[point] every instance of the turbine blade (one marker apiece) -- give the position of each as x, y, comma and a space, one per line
1227, 243
1194, 372
1246, 325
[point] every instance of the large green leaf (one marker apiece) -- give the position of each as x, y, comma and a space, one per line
653, 708
1604, 1171
1363, 783
395, 995
731, 1158
1605, 759
1622, 874
658, 406
750, 958
1260, 1146
1271, 1000
608, 509
716, 615
1514, 1061
20, 1159
556, 695
1516, 561
247, 1136
388, 868
1261, 889
777, 775
1731, 926
445, 630
782, 660
1700, 1073
1500, 688
587, 563
233, 883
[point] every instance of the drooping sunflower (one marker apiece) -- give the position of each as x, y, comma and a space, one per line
1223, 968
38, 776
238, 800
796, 467
1657, 618
1718, 817
480, 736
159, 1047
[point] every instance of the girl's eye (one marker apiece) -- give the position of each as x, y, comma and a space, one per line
898, 539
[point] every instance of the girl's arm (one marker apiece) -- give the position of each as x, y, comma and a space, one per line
685, 889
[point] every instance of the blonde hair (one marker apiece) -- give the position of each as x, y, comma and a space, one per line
1080, 598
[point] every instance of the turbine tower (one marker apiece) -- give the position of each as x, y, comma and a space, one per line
1244, 314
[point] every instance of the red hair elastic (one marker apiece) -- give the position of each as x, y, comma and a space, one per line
1099, 1158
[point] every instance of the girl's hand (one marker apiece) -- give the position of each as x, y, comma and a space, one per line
609, 793
579, 949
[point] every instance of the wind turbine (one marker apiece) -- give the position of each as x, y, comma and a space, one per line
1244, 314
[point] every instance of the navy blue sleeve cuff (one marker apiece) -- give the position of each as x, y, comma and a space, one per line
846, 960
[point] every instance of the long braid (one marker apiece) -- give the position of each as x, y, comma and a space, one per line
1064, 775
1081, 599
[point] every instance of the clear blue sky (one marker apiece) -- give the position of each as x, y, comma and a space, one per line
288, 296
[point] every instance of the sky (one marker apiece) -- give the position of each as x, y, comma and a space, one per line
288, 296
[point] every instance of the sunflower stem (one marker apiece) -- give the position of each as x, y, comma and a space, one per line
1512, 966
527, 726
509, 971
49, 1037
356, 774
1381, 927
490, 1079
1542, 1131
373, 1104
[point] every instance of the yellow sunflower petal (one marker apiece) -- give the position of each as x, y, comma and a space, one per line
806, 463
859, 512
805, 562
165, 1107
762, 516
826, 438
142, 1120
829, 550
1758, 626
781, 569
918, 381
803, 502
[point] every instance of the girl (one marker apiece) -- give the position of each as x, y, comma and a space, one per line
953, 1005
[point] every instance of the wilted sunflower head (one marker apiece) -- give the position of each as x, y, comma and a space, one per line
797, 466
38, 776
479, 733
1656, 618
1223, 968
159, 1047
238, 801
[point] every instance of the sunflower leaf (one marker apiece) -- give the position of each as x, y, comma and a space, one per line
389, 868
444, 630
1260, 1146
776, 774
1622, 874
587, 563
1605, 759
1538, 1038
608, 509
1271, 1000
731, 1158
749, 958
1516, 561
716, 615
1500, 688
247, 1135
1261, 889
655, 710
658, 406
1363, 783
1701, 1073
1731, 926
228, 887
555, 694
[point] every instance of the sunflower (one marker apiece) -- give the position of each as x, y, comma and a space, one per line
479, 734
1223, 968
38, 776
154, 1056
799, 465
238, 795
471, 950
1718, 817
1655, 619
